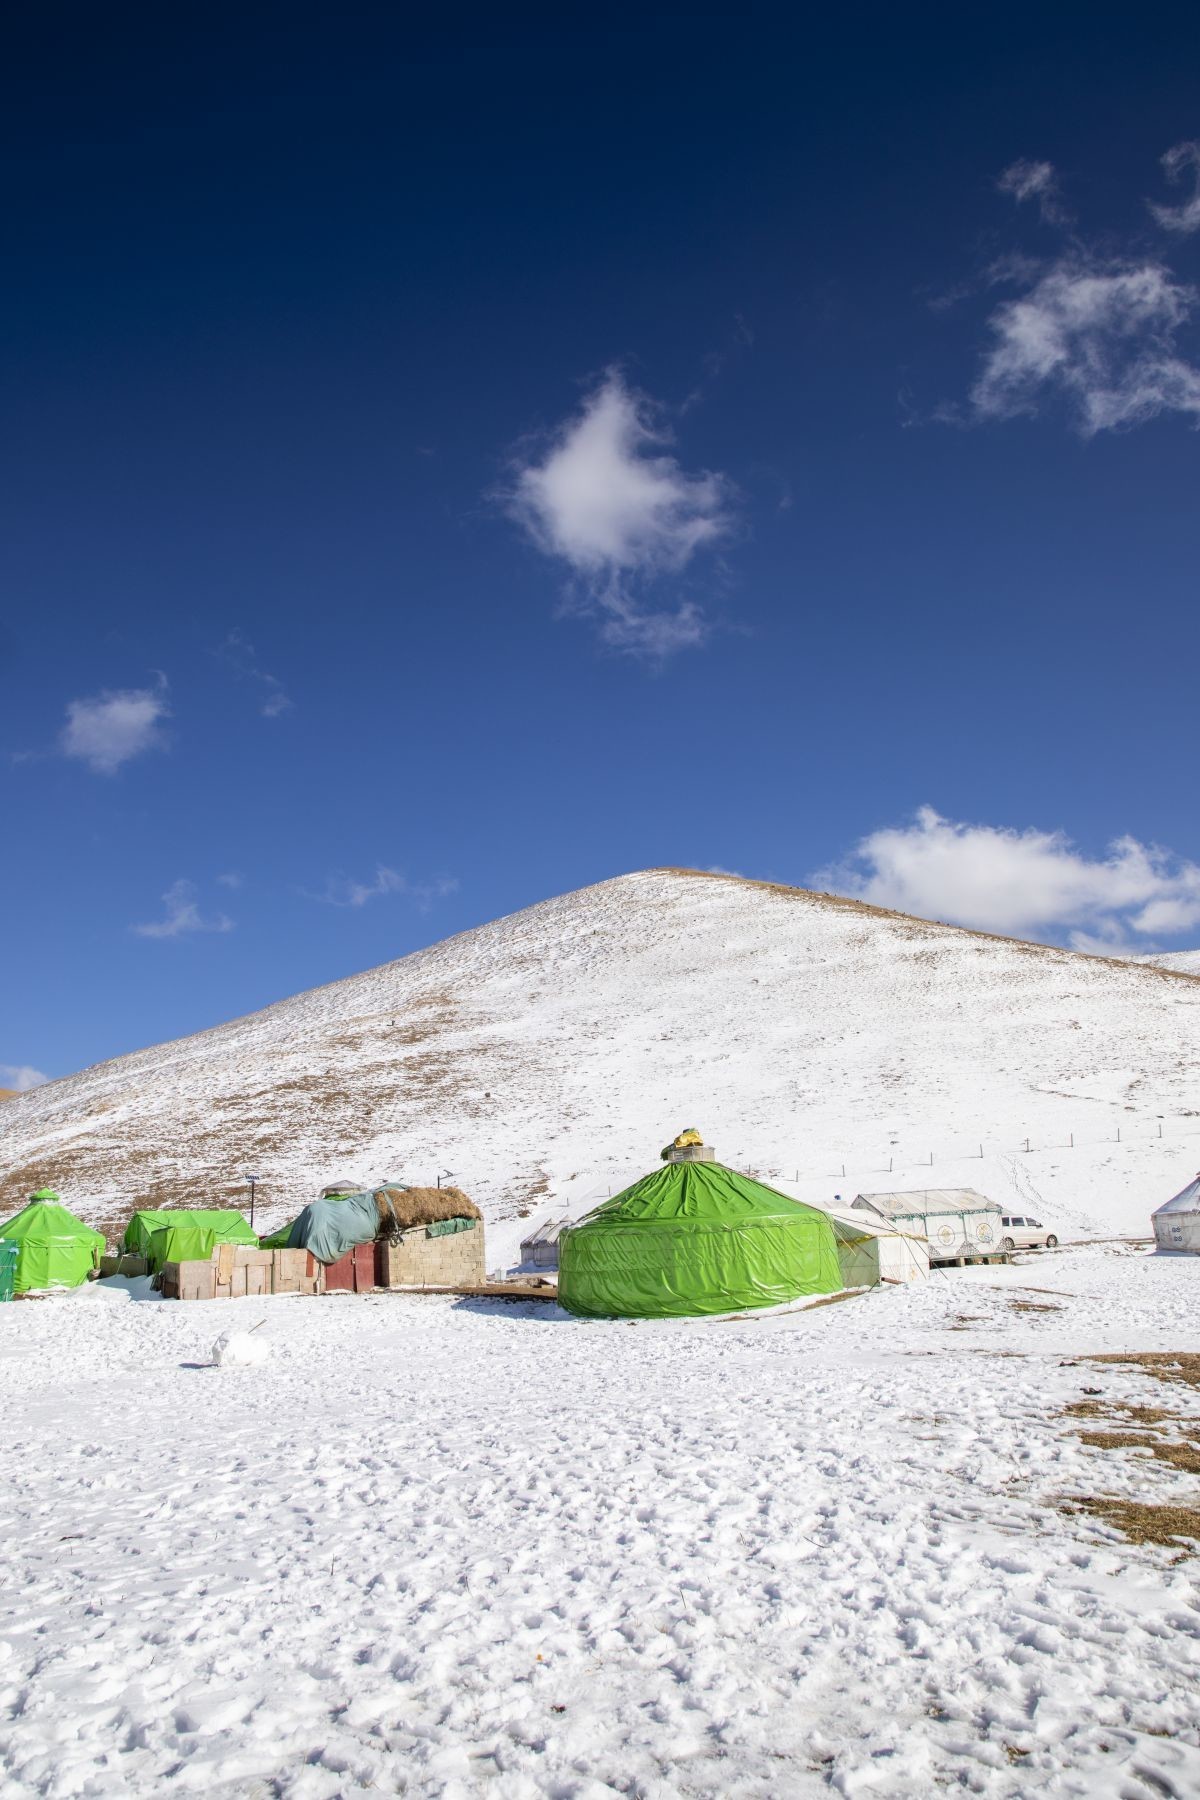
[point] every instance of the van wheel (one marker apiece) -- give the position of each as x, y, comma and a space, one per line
1007, 1244
1052, 1242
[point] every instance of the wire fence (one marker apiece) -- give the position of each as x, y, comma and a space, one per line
897, 1157
907, 1157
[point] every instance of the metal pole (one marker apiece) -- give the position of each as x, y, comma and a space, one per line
252, 1203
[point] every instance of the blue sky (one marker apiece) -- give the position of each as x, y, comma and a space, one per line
445, 467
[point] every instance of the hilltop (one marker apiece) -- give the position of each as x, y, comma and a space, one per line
545, 1057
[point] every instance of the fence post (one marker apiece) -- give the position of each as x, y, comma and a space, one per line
1118, 1134
1027, 1146
1160, 1128
890, 1162
1072, 1140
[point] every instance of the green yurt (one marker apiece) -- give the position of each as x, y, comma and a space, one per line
225, 1225
55, 1249
693, 1238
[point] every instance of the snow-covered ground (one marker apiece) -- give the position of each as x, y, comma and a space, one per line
545, 1058
469, 1548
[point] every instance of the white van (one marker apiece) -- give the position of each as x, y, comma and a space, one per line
1025, 1234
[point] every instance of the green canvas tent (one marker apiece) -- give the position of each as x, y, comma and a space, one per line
55, 1249
225, 1223
693, 1238
179, 1243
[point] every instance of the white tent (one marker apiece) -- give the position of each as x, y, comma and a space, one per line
1177, 1224
871, 1251
539, 1250
959, 1224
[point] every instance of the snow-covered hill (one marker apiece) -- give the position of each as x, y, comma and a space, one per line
1184, 962
545, 1058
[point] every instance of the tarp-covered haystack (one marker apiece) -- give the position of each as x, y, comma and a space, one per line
1177, 1224
183, 1233
692, 1238
329, 1228
55, 1249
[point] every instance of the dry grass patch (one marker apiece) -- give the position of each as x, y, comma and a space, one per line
1182, 1455
1139, 1521
1137, 1415
1038, 1306
1161, 1365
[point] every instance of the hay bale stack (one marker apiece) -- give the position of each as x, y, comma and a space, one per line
399, 1209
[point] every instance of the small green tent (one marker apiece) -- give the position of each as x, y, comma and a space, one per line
55, 1249
693, 1238
225, 1223
179, 1243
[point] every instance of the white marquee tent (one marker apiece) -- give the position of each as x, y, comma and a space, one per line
1177, 1224
871, 1251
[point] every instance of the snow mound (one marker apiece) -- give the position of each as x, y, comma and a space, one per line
239, 1350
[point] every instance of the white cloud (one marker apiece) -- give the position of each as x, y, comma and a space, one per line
1028, 882
20, 1077
342, 890
231, 879
1184, 218
1026, 179
1094, 329
112, 727
1103, 338
182, 915
239, 653
608, 500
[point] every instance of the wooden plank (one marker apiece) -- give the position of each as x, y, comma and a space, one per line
486, 1290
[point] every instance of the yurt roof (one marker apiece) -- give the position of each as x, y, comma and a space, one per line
1185, 1201
694, 1194
47, 1221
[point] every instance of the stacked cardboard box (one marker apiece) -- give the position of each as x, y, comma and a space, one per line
238, 1271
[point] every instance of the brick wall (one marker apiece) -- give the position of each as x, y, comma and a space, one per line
415, 1260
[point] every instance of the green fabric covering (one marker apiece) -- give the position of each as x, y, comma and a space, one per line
695, 1238
137, 1233
8, 1268
278, 1240
226, 1224
180, 1243
447, 1227
54, 1248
